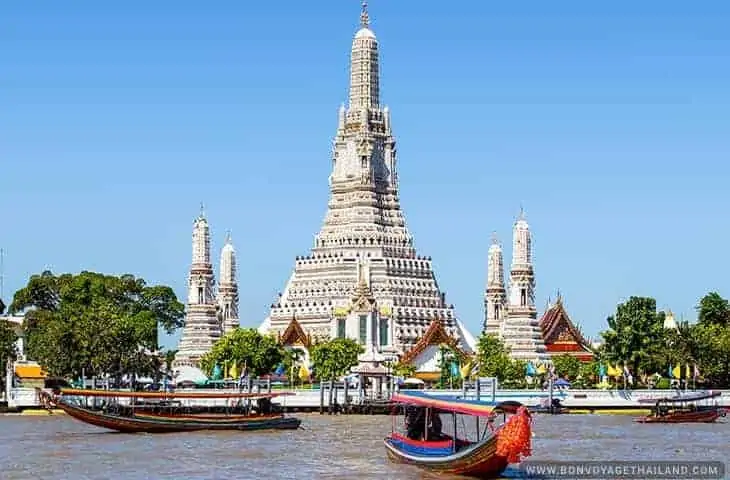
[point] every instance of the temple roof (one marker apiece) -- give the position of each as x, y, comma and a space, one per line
294, 334
435, 335
555, 321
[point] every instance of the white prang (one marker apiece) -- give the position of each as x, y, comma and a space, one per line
514, 318
495, 296
364, 240
208, 315
228, 288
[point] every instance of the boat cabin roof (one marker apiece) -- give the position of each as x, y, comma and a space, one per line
166, 395
446, 404
688, 397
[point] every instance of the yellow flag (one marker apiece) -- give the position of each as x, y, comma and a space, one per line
303, 373
541, 370
687, 372
234, 370
466, 370
677, 371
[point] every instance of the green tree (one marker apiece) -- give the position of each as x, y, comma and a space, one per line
332, 359
95, 323
587, 374
8, 351
567, 365
405, 370
714, 357
261, 354
495, 361
713, 310
634, 332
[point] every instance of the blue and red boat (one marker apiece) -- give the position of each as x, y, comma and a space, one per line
493, 447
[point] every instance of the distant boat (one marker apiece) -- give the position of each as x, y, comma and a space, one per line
163, 412
493, 450
684, 408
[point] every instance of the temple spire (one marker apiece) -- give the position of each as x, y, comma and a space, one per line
364, 17
364, 75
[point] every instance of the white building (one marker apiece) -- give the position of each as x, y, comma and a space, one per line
363, 278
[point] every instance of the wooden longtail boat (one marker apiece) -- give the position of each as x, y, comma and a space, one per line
683, 408
486, 457
157, 412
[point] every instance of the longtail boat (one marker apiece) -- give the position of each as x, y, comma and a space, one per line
684, 408
163, 412
486, 456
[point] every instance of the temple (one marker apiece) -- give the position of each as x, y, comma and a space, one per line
363, 278
228, 288
208, 316
512, 314
561, 335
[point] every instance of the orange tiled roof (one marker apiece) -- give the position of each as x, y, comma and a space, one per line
294, 333
555, 321
435, 335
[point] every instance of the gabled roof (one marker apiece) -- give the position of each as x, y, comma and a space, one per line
294, 334
435, 335
556, 321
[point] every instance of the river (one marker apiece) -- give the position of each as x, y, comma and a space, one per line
338, 447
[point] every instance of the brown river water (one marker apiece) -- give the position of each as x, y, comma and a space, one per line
329, 447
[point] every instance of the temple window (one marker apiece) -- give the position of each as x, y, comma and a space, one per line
383, 332
523, 297
363, 329
200, 295
341, 328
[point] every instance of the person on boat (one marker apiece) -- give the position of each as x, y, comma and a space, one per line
436, 427
415, 422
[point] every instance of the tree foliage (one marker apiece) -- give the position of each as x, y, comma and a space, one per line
495, 361
635, 332
334, 358
567, 366
8, 351
713, 310
261, 354
95, 323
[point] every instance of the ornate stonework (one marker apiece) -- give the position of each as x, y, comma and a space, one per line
202, 326
495, 296
228, 288
518, 327
364, 239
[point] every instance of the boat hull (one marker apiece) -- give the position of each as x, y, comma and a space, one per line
478, 460
146, 423
699, 416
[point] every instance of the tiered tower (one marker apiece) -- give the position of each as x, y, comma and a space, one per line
521, 330
202, 327
495, 296
228, 288
364, 230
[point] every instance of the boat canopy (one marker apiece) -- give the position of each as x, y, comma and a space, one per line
447, 404
688, 397
166, 395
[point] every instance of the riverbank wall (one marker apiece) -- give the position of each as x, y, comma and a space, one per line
311, 399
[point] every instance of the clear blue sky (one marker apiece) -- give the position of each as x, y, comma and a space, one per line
608, 121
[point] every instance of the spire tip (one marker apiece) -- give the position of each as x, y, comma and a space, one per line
364, 17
